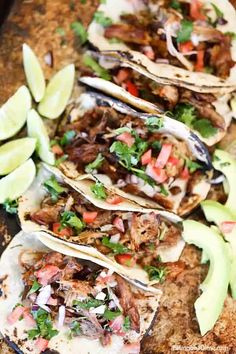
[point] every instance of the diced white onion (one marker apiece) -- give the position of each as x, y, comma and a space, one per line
99, 310
115, 238
44, 295
101, 296
61, 316
107, 227
148, 190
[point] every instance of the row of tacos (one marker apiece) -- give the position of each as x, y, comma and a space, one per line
103, 228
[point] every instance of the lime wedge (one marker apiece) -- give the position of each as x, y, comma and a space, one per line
13, 113
16, 183
37, 130
57, 93
14, 153
33, 73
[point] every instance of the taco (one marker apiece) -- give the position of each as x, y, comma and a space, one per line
190, 42
138, 243
52, 300
207, 114
153, 160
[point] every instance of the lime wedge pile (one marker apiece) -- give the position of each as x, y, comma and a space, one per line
14, 153
37, 130
17, 182
13, 113
57, 93
33, 73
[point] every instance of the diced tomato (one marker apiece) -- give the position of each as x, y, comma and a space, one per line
132, 348
186, 47
196, 10
62, 231
57, 150
158, 174
114, 199
15, 314
163, 155
46, 273
200, 61
173, 160
185, 173
132, 88
123, 75
89, 216
41, 344
227, 227
126, 138
146, 157
125, 259
29, 320
118, 223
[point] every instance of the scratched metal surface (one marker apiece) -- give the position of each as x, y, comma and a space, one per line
35, 22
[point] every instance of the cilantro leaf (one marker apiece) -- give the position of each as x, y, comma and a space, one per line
185, 113
155, 273
126, 325
61, 159
175, 4
69, 218
185, 31
54, 188
103, 20
10, 206
79, 31
60, 31
116, 248
98, 69
67, 137
231, 34
111, 315
218, 12
163, 191
205, 128
95, 164
75, 329
88, 303
35, 287
192, 165
44, 326
99, 190
154, 123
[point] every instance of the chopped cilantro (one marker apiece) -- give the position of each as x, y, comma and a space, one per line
114, 40
44, 326
111, 315
142, 174
218, 12
175, 4
95, 164
192, 165
75, 329
88, 303
54, 188
98, 69
69, 218
155, 273
83, 1
60, 31
103, 20
10, 206
67, 137
99, 190
185, 31
103, 1
61, 159
205, 128
163, 191
224, 164
126, 325
117, 248
35, 287
187, 114
156, 145
231, 34
154, 123
79, 31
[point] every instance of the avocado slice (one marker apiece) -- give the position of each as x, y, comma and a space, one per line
218, 213
209, 305
224, 162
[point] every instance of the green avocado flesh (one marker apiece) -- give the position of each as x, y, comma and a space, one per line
217, 213
223, 162
209, 305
